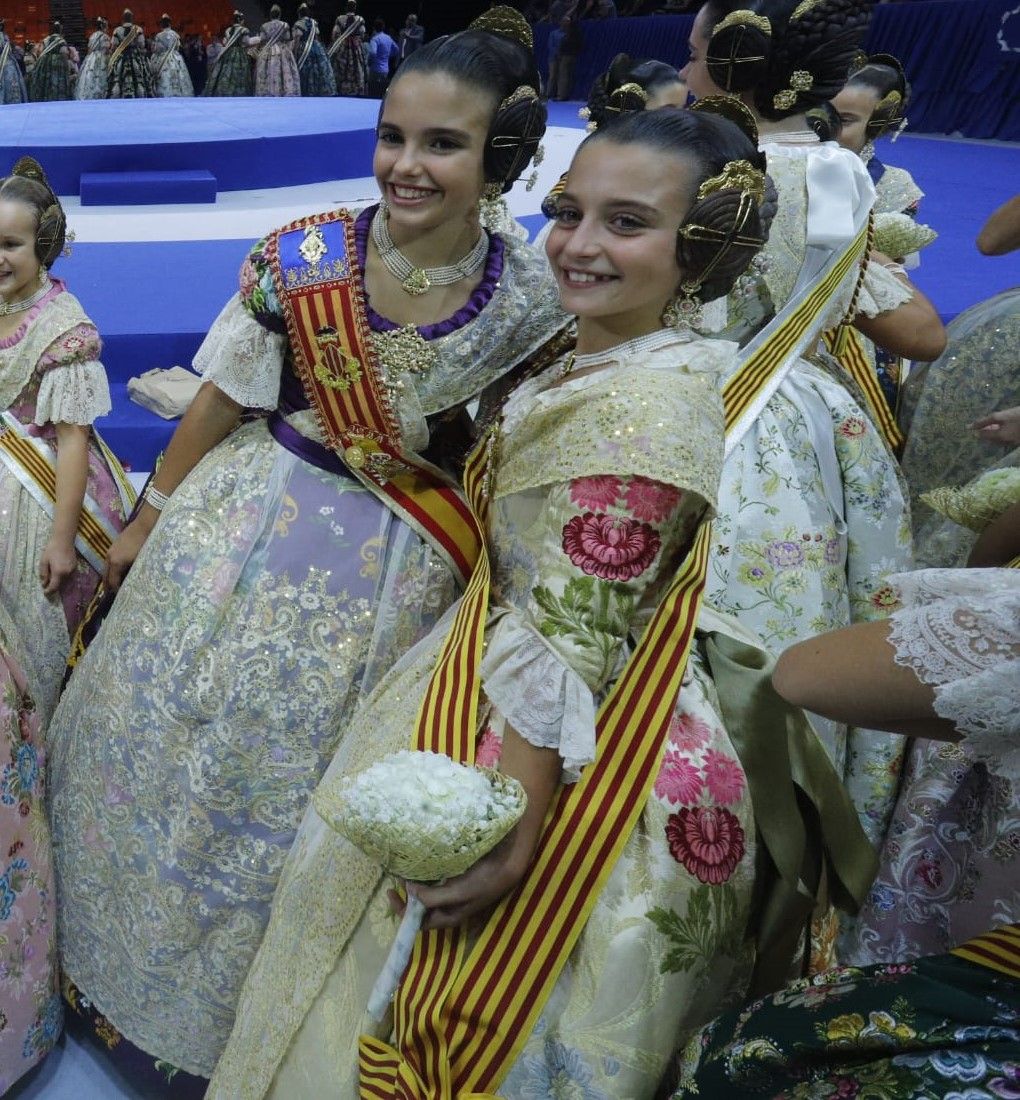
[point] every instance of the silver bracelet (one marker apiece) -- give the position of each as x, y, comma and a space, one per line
154, 498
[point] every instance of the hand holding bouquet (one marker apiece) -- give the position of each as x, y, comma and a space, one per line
424, 818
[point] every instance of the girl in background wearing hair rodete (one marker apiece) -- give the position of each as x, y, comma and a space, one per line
92, 77
169, 73
52, 387
347, 53
52, 76
277, 585
629, 84
12, 83
811, 513
583, 536
231, 75
873, 104
276, 71
129, 76
313, 63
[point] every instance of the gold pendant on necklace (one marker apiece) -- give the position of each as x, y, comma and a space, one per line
417, 283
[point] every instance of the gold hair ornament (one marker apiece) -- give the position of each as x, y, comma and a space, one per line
730, 108
726, 239
803, 8
506, 21
29, 168
737, 175
522, 93
743, 17
800, 81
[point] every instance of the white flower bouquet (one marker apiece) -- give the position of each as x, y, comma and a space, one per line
423, 818
976, 504
897, 235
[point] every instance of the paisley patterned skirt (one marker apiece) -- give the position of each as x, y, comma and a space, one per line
190, 736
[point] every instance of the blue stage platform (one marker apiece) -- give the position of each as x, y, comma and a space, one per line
245, 143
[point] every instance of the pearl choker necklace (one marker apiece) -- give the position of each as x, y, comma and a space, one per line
651, 341
419, 280
26, 303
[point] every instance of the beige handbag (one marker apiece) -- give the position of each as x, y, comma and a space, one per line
167, 393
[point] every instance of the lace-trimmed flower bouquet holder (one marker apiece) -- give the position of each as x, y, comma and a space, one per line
424, 818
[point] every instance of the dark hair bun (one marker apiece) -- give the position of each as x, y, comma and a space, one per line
739, 51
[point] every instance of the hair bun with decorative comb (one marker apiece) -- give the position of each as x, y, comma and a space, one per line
506, 21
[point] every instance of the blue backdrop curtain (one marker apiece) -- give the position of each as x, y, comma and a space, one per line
961, 56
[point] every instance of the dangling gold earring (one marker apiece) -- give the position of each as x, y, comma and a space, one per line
490, 206
683, 312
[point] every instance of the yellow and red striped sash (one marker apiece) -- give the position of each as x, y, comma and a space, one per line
460, 1022
845, 343
998, 950
33, 462
750, 389
317, 279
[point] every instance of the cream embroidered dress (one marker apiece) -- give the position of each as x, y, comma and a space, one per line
812, 515
600, 482
270, 596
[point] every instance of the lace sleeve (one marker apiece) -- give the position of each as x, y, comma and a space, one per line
881, 291
242, 357
73, 388
959, 631
544, 700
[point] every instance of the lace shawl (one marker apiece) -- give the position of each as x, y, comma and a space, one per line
62, 343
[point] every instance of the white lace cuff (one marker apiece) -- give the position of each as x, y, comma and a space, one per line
544, 700
959, 632
881, 291
73, 393
242, 358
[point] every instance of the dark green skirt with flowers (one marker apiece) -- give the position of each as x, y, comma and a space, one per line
945, 1027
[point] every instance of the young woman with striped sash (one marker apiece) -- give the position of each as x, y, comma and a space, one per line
627, 912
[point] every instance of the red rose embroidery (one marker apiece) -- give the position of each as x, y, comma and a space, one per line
597, 493
614, 549
707, 840
651, 500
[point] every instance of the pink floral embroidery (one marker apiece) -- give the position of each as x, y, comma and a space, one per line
651, 500
852, 427
614, 549
597, 493
689, 733
489, 749
678, 779
707, 840
724, 777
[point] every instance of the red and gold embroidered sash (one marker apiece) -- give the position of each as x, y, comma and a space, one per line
460, 1017
318, 281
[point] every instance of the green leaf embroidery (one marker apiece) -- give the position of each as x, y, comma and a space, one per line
708, 929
